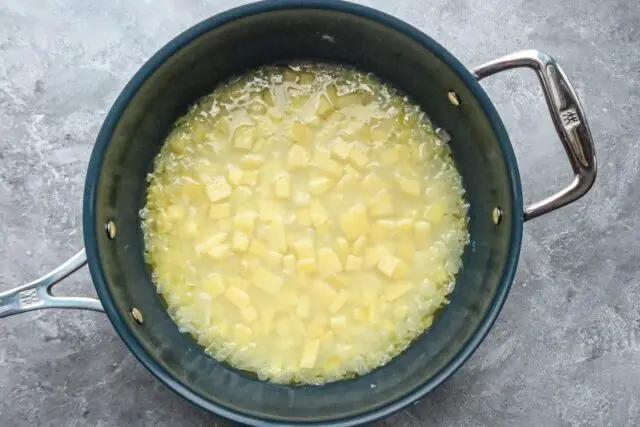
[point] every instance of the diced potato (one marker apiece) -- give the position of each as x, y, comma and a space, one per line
224, 225
282, 186
249, 314
307, 266
316, 327
266, 280
341, 149
358, 157
397, 290
242, 334
358, 245
289, 263
327, 165
328, 262
175, 212
382, 204
405, 226
301, 133
276, 236
338, 323
303, 217
269, 211
237, 297
318, 213
355, 98
214, 285
305, 248
218, 189
304, 306
388, 264
342, 248
435, 213
245, 222
250, 177
309, 354
324, 108
241, 194
410, 187
422, 231
258, 248
219, 211
388, 156
297, 157
373, 184
372, 256
406, 250
340, 301
251, 161
272, 259
351, 171
240, 242
210, 242
355, 222
243, 138
320, 185
354, 263
218, 252
325, 291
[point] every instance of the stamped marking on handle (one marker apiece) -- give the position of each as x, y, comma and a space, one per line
570, 118
28, 298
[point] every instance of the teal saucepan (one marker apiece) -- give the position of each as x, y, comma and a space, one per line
192, 65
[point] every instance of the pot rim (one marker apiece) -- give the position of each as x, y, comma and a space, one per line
91, 230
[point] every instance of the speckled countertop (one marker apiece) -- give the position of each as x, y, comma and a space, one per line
564, 352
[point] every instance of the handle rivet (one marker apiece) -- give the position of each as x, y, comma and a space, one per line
111, 229
496, 215
453, 98
137, 315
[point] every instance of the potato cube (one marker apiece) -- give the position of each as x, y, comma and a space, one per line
404, 226
237, 297
304, 306
243, 138
327, 165
301, 133
219, 211
266, 280
406, 250
241, 194
388, 156
242, 334
320, 185
338, 323
410, 187
354, 263
351, 171
382, 204
249, 314
372, 256
318, 213
324, 108
303, 217
307, 266
373, 184
277, 237
272, 259
240, 242
309, 354
214, 285
389, 264
250, 177
355, 222
435, 213
218, 189
341, 149
328, 262
316, 327
251, 161
269, 211
289, 263
245, 222
358, 157
342, 248
175, 212
282, 186
350, 99
297, 157
258, 248
305, 249
325, 291
397, 290
340, 301
218, 252
358, 245
210, 242
422, 231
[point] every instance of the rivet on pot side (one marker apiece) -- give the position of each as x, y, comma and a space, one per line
137, 315
110, 227
453, 98
496, 215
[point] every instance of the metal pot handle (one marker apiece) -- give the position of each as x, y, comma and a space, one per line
568, 119
37, 294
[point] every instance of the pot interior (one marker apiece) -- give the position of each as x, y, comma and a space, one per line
192, 66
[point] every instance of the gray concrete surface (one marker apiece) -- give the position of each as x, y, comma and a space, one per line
566, 348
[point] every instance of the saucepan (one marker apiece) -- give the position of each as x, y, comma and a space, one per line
190, 66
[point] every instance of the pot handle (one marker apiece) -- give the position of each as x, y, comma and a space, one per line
568, 118
37, 294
